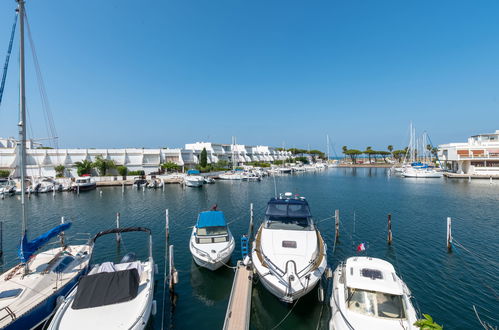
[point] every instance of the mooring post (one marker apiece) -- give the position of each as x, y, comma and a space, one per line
123, 187
336, 224
390, 237
100, 193
173, 272
449, 234
53, 191
118, 235
62, 233
250, 230
1, 239
167, 225
77, 189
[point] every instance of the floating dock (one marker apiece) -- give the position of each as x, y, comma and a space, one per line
238, 313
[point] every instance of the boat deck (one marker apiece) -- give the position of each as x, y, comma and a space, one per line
471, 176
238, 309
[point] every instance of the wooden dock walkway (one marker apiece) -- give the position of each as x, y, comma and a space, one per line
237, 316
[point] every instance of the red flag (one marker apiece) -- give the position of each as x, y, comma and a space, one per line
361, 247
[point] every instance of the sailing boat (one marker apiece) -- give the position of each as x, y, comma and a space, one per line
29, 290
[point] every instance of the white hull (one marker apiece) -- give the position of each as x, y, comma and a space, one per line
421, 174
194, 181
211, 255
212, 264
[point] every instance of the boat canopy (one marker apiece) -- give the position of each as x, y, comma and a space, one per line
193, 172
288, 208
211, 219
28, 248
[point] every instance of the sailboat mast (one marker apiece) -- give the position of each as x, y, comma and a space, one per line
22, 117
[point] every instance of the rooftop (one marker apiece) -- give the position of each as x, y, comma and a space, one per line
372, 274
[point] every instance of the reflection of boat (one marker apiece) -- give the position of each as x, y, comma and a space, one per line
29, 290
201, 282
193, 179
111, 296
84, 183
368, 294
211, 242
289, 253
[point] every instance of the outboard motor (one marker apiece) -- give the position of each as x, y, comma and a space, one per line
129, 257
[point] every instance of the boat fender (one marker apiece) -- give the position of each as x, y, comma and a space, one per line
246, 260
153, 308
320, 293
175, 277
156, 269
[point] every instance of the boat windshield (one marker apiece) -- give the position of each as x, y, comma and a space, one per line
212, 231
288, 216
377, 304
82, 180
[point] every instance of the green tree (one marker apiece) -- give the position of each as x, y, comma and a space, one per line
278, 162
302, 159
102, 165
398, 154
221, 165
353, 154
170, 166
390, 148
203, 159
369, 152
59, 171
4, 173
83, 167
383, 154
122, 170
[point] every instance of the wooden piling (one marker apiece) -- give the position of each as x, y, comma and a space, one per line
172, 271
62, 234
390, 237
337, 224
250, 229
1, 239
449, 234
118, 235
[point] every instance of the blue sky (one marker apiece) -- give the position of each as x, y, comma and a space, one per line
122, 73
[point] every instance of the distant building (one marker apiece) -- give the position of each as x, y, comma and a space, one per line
478, 156
42, 162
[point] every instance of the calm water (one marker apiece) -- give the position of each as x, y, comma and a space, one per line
446, 285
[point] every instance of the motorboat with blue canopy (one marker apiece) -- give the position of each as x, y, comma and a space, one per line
211, 242
288, 253
193, 179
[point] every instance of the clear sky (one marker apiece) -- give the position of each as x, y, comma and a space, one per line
122, 73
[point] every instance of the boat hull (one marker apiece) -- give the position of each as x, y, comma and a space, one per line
211, 265
85, 187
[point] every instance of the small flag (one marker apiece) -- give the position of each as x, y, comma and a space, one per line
361, 247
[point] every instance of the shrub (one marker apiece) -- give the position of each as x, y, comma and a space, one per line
59, 171
4, 173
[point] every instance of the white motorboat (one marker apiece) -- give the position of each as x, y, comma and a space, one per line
29, 290
232, 175
139, 182
209, 180
288, 253
155, 183
421, 172
83, 183
111, 295
368, 294
211, 242
7, 187
284, 170
193, 179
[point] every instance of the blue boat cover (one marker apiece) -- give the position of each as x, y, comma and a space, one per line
28, 248
193, 172
211, 219
288, 208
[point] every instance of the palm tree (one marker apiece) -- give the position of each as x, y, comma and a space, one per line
84, 167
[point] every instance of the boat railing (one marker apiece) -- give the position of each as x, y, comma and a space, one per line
222, 253
9, 313
201, 252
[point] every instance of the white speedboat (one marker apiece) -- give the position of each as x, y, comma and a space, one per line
284, 170
232, 175
7, 187
111, 295
84, 183
193, 179
368, 294
209, 180
139, 182
211, 242
155, 183
289, 254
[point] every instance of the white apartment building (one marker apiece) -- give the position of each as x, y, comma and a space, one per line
42, 162
478, 156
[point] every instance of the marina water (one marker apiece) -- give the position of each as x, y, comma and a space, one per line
446, 285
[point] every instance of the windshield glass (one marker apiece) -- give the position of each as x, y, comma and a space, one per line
212, 231
377, 304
